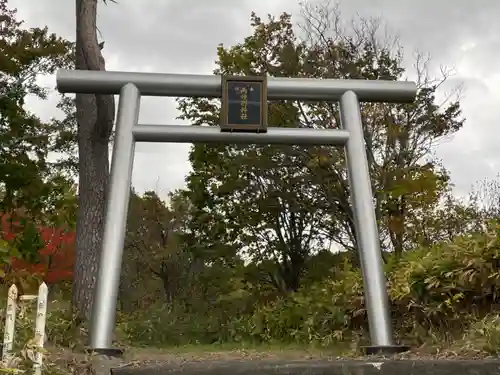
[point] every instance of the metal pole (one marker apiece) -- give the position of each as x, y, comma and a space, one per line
193, 85
212, 134
108, 279
376, 299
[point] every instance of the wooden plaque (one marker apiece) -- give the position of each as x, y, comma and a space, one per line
244, 104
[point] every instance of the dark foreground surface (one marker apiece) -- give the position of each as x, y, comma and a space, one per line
317, 367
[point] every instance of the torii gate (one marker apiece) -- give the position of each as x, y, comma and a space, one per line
244, 122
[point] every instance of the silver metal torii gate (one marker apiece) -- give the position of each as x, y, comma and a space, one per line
131, 86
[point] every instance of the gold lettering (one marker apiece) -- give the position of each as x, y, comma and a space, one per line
244, 104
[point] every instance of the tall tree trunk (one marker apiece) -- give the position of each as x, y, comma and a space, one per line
95, 116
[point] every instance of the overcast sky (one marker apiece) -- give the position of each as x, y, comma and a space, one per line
181, 36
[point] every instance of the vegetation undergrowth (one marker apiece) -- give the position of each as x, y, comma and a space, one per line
443, 295
444, 298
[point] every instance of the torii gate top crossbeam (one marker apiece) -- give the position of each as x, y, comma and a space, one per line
192, 85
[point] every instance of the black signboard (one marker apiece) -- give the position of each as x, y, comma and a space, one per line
244, 104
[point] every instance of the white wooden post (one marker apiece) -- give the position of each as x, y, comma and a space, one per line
10, 323
41, 316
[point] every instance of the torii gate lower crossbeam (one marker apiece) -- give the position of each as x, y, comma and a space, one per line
131, 86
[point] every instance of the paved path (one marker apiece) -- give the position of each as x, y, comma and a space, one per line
313, 367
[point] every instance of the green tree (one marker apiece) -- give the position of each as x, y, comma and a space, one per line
26, 176
399, 138
283, 203
445, 222
32, 191
60, 204
157, 256
64, 142
212, 267
148, 244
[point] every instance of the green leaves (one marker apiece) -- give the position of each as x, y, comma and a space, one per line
285, 203
26, 141
29, 242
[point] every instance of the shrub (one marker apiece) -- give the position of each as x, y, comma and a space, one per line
160, 326
30, 249
436, 294
443, 286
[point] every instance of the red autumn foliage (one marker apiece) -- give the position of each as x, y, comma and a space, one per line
56, 255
